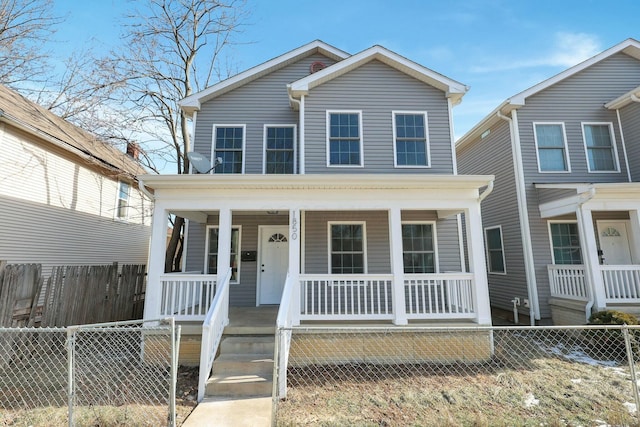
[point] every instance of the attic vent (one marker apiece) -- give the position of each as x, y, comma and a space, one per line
316, 66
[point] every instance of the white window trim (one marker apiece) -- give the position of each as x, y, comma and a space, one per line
566, 146
426, 135
244, 141
613, 143
504, 261
328, 134
434, 231
206, 249
364, 243
264, 145
128, 204
561, 221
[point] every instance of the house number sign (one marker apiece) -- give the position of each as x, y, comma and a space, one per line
294, 228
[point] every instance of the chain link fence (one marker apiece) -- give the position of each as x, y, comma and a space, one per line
112, 374
482, 376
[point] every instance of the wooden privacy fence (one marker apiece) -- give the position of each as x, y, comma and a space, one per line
71, 295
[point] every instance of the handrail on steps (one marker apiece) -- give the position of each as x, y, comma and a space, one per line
212, 328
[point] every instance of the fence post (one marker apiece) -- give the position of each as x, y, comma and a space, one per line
276, 377
71, 336
174, 373
632, 366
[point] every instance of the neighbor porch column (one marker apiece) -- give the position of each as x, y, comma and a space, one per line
155, 264
589, 249
477, 264
224, 242
397, 266
294, 262
634, 216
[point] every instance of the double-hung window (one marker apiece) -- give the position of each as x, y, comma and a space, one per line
347, 248
122, 204
418, 248
495, 250
279, 149
228, 143
600, 147
565, 243
411, 146
344, 138
551, 146
212, 252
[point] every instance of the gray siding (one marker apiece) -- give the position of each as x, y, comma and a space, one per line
546, 195
493, 155
263, 101
630, 118
376, 89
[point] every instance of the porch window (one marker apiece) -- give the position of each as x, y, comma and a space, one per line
279, 145
495, 250
122, 204
565, 243
212, 252
228, 144
418, 248
347, 253
601, 150
410, 139
551, 145
344, 138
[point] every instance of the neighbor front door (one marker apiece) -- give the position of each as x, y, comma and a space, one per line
614, 242
273, 263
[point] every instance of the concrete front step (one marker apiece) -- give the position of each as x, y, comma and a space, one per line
243, 364
234, 385
247, 344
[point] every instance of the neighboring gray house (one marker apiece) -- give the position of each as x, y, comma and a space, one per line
562, 226
338, 174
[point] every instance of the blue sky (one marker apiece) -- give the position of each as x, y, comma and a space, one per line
496, 47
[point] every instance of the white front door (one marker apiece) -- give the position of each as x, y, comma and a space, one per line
273, 263
614, 242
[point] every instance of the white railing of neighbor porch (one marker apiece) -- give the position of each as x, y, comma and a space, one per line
187, 296
214, 323
283, 338
621, 282
439, 296
346, 296
568, 281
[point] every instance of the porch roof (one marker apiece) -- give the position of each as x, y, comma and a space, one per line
598, 196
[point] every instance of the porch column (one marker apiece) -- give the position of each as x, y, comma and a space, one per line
397, 266
634, 216
477, 264
294, 262
589, 249
155, 264
224, 241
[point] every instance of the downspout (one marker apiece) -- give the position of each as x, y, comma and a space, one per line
525, 231
145, 190
624, 145
300, 104
584, 198
486, 192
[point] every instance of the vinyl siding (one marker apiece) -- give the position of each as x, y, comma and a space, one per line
377, 89
262, 101
545, 195
493, 155
630, 118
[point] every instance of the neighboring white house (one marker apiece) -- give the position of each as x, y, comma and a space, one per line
66, 198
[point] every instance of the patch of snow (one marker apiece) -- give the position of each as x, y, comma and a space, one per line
530, 401
576, 380
631, 407
575, 354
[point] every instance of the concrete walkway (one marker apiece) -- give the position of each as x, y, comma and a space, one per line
230, 412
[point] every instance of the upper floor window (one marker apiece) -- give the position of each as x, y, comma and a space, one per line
418, 248
344, 138
347, 253
212, 252
228, 144
495, 250
411, 146
565, 243
599, 143
122, 208
279, 149
551, 146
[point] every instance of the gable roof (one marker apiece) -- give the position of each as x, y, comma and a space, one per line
630, 47
453, 89
192, 103
30, 117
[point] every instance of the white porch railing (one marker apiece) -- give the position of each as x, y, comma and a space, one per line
187, 296
568, 281
283, 338
439, 296
621, 283
346, 297
214, 323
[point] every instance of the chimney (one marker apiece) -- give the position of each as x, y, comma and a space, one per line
133, 150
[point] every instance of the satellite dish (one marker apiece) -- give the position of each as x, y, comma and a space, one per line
201, 163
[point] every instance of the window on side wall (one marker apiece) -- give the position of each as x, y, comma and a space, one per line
551, 147
347, 248
279, 149
212, 252
600, 147
122, 208
228, 144
411, 146
418, 248
495, 250
344, 138
565, 243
